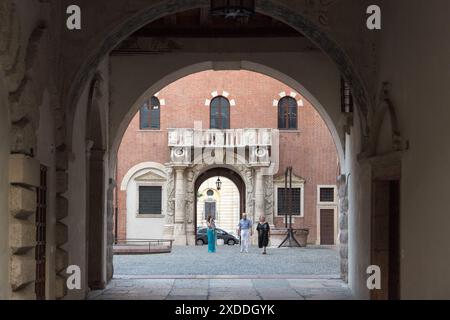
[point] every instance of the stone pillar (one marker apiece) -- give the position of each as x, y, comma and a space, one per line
343, 225
259, 201
180, 212
170, 209
259, 195
24, 178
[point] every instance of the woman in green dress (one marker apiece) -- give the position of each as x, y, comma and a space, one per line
211, 234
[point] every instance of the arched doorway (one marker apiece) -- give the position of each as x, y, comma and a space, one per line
211, 64
220, 172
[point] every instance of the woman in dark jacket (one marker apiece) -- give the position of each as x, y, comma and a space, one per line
263, 234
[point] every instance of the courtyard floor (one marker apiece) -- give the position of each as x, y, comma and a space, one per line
228, 260
190, 273
223, 289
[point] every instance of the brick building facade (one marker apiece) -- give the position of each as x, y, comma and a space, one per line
145, 158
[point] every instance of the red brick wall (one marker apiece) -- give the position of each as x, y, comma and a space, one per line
310, 150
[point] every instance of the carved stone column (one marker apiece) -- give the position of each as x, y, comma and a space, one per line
343, 225
170, 209
268, 198
259, 194
189, 208
259, 201
180, 208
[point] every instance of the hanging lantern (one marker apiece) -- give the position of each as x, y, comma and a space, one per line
218, 184
232, 8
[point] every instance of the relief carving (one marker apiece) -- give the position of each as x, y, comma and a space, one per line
170, 191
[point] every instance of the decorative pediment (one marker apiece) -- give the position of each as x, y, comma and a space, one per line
151, 175
295, 179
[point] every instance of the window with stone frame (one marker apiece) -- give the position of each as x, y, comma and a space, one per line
150, 200
327, 194
296, 197
220, 113
150, 115
288, 114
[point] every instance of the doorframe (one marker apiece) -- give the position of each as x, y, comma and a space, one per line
336, 224
387, 168
220, 172
324, 205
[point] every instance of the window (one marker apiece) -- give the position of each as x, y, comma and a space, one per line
220, 113
150, 200
326, 195
296, 201
287, 114
210, 209
150, 115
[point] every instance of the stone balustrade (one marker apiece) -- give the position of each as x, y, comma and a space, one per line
253, 145
232, 138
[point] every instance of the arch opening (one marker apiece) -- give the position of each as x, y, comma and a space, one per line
153, 88
220, 193
270, 8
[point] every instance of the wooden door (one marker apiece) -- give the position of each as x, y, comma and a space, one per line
327, 226
386, 238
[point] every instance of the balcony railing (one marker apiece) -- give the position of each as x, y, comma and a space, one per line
220, 138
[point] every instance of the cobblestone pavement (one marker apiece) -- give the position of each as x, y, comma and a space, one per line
190, 273
223, 289
229, 261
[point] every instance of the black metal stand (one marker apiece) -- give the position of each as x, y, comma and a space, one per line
290, 240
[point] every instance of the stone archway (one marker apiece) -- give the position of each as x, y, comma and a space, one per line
220, 172
266, 7
250, 179
244, 65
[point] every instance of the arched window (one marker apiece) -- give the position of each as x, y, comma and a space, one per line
287, 114
220, 113
150, 114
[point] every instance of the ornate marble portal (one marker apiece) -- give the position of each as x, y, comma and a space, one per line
246, 152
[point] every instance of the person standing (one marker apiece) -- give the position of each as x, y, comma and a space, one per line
245, 231
211, 234
263, 234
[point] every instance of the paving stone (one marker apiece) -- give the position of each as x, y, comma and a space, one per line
235, 297
231, 283
189, 292
228, 291
94, 294
271, 283
267, 290
149, 297
278, 294
188, 283
183, 298
155, 283
302, 284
